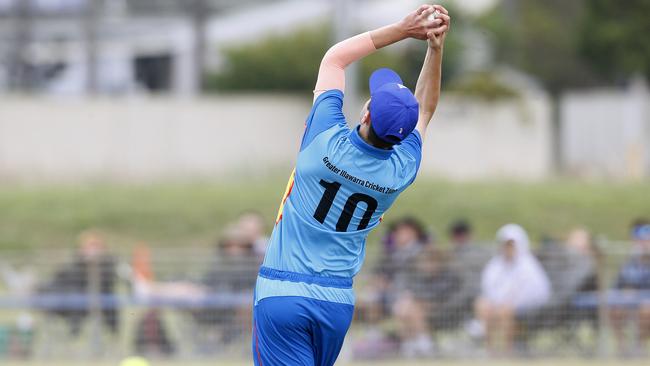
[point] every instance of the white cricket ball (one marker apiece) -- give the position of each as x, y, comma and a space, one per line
433, 16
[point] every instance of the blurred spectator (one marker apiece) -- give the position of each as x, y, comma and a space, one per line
571, 269
460, 234
93, 271
429, 282
634, 280
405, 239
234, 269
236, 266
253, 227
467, 260
232, 276
223, 298
512, 283
581, 243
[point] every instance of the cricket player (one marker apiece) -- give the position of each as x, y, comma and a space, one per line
344, 181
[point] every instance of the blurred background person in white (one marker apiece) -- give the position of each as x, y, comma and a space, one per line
512, 283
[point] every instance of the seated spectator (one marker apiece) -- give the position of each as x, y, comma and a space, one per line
235, 267
580, 243
513, 282
253, 227
426, 288
467, 260
405, 239
226, 289
92, 260
634, 279
232, 275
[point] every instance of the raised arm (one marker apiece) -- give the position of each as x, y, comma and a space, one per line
427, 90
331, 74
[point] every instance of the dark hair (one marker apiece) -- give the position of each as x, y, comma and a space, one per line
376, 141
415, 224
638, 222
460, 227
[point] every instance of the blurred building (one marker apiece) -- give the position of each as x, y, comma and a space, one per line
113, 47
123, 46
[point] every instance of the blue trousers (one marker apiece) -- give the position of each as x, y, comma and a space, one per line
299, 331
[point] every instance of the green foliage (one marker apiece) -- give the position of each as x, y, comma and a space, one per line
290, 62
483, 85
572, 43
279, 62
615, 37
540, 37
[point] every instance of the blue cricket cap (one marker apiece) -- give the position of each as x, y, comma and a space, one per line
393, 107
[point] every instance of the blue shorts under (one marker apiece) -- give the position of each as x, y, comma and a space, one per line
299, 331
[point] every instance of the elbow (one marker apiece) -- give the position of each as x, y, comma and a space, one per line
332, 58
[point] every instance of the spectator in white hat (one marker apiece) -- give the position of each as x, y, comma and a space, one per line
512, 283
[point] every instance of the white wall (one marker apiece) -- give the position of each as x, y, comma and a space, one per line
606, 133
471, 139
145, 139
150, 139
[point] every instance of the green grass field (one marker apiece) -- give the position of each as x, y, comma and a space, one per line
192, 214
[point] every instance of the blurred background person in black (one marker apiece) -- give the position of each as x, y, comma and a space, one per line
91, 272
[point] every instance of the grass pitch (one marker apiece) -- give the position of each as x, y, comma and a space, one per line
193, 214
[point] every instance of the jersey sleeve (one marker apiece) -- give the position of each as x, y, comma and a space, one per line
412, 144
326, 113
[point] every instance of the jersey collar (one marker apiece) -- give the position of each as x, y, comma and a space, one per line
357, 141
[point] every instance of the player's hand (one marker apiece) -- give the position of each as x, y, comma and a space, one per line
436, 36
418, 25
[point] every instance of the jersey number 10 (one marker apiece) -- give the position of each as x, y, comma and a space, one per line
325, 204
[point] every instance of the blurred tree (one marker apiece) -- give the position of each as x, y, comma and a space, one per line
290, 62
484, 85
615, 38
279, 62
541, 37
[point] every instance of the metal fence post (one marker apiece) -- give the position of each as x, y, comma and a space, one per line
602, 259
95, 306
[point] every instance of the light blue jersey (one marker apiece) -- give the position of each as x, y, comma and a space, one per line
339, 190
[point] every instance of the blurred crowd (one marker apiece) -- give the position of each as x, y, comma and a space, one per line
418, 290
500, 296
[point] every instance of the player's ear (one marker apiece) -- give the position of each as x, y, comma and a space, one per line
365, 117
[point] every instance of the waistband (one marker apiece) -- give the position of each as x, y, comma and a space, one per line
275, 274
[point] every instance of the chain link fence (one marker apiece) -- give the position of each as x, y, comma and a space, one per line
195, 303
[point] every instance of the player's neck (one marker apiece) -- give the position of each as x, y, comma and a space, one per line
364, 132
365, 135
